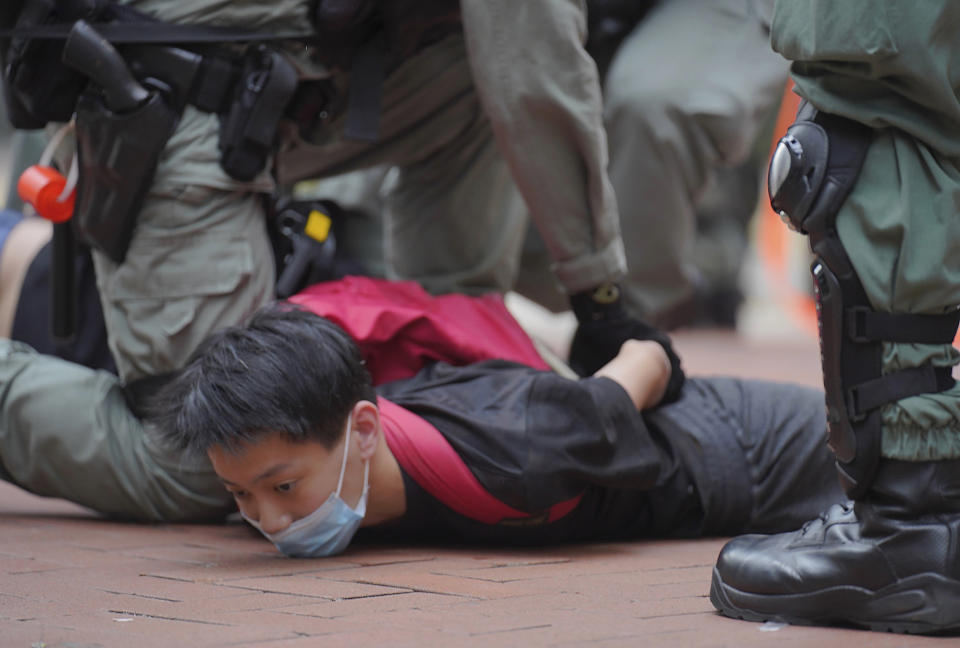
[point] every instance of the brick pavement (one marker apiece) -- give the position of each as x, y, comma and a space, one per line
68, 578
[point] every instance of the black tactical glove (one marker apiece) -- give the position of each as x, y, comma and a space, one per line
605, 326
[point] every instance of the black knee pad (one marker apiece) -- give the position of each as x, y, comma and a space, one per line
812, 171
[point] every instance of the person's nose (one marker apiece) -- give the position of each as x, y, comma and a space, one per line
273, 520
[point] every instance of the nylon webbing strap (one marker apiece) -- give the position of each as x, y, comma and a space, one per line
892, 387
867, 325
154, 32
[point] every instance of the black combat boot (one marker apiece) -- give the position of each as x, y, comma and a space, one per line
889, 561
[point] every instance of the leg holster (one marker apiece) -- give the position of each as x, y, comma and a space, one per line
812, 171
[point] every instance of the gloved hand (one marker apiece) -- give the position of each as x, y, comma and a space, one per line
605, 326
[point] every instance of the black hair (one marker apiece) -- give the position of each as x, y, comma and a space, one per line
285, 370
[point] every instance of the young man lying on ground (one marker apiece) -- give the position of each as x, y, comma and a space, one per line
492, 452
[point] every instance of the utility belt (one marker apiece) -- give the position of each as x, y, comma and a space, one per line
126, 101
126, 78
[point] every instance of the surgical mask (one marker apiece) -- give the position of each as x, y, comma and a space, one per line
329, 529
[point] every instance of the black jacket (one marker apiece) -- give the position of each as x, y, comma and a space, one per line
534, 439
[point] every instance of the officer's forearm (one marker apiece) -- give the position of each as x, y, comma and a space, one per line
541, 91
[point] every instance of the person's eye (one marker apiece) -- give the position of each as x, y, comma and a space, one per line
285, 487
239, 494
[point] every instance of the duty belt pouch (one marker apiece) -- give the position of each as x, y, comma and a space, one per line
249, 127
118, 156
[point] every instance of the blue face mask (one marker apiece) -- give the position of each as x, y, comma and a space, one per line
329, 529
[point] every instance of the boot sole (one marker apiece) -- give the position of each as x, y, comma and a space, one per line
921, 604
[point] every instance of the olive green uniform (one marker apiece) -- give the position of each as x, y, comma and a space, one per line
512, 102
688, 92
894, 66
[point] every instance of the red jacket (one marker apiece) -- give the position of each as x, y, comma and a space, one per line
400, 327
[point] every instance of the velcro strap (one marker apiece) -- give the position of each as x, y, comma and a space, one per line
867, 325
895, 386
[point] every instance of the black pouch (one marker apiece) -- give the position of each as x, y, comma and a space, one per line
38, 88
118, 156
249, 127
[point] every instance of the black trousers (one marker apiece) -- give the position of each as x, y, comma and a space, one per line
755, 450
32, 323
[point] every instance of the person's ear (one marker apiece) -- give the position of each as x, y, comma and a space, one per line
366, 425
